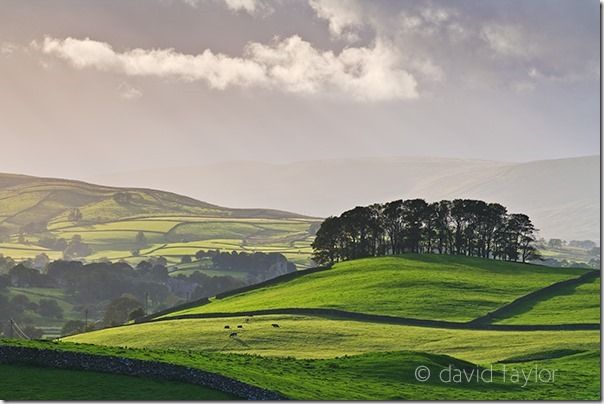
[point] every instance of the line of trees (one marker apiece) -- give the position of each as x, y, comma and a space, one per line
459, 227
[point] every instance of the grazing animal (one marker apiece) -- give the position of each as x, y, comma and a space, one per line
275, 325
233, 334
239, 326
226, 327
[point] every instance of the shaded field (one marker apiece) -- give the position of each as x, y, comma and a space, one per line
377, 376
25, 382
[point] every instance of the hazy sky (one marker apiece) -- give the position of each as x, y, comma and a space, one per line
94, 87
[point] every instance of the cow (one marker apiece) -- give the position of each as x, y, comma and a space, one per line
275, 325
226, 327
233, 334
239, 326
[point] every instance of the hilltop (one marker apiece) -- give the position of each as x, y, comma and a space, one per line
429, 286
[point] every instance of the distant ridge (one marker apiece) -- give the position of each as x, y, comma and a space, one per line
37, 202
561, 195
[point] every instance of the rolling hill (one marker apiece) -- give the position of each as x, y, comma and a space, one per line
109, 220
315, 355
561, 196
435, 287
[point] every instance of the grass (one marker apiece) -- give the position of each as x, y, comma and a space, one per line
22, 382
376, 376
312, 337
418, 286
574, 304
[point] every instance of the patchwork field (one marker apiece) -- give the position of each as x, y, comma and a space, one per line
110, 221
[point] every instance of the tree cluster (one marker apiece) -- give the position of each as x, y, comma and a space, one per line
459, 227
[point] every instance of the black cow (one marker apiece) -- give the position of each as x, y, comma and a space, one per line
239, 326
226, 327
275, 325
233, 334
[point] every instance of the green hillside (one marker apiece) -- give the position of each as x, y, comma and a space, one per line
418, 286
314, 357
574, 304
109, 219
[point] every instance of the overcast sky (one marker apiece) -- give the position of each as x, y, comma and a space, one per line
96, 87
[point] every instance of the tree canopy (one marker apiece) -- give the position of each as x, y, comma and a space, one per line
461, 227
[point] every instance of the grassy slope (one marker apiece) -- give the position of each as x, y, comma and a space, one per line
110, 226
311, 337
376, 376
419, 286
21, 382
575, 304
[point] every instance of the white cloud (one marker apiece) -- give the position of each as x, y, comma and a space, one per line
128, 92
371, 74
430, 21
343, 16
248, 6
291, 65
506, 40
7, 48
218, 70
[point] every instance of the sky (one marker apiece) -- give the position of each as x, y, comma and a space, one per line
96, 87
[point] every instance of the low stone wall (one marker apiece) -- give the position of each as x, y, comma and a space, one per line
132, 367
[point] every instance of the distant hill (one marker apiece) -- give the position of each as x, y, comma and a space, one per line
562, 196
36, 214
33, 201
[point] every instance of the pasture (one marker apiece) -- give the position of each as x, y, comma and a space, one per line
175, 237
377, 376
417, 286
306, 337
110, 218
574, 304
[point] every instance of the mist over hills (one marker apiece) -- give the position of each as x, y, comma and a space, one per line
561, 196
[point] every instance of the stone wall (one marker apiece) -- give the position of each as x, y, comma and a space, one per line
132, 367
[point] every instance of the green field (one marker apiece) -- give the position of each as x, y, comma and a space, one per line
375, 376
309, 357
418, 286
313, 337
16, 384
36, 208
580, 304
